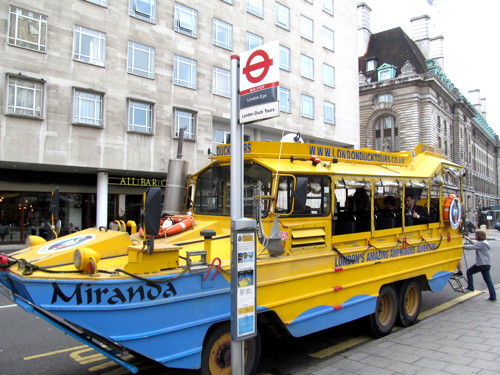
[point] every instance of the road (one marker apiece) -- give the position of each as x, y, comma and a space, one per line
30, 345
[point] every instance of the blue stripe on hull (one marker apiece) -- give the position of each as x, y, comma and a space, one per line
323, 317
167, 325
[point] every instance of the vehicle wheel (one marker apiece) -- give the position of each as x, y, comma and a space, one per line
383, 319
216, 356
409, 299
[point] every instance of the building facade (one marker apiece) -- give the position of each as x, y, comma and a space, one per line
406, 99
96, 92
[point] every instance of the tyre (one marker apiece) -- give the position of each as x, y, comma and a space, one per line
383, 319
216, 356
410, 300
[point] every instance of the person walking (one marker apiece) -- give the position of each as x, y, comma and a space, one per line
483, 263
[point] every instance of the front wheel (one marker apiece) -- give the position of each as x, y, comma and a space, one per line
383, 319
410, 300
216, 356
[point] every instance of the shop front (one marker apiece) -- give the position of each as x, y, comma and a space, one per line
24, 206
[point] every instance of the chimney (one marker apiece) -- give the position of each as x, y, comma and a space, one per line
364, 32
420, 34
478, 102
483, 107
436, 51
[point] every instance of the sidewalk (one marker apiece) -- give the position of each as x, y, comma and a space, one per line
464, 339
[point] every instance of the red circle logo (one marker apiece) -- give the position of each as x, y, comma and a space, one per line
265, 64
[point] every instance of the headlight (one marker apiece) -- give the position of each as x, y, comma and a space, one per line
85, 259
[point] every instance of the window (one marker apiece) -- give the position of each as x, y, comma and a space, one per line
141, 60
25, 97
87, 107
307, 106
284, 100
386, 71
371, 65
140, 117
383, 98
285, 58
186, 120
282, 16
103, 3
185, 20
223, 34
27, 29
253, 41
386, 133
89, 46
256, 7
221, 82
328, 75
329, 112
328, 38
143, 9
306, 66
222, 137
306, 28
328, 6
184, 72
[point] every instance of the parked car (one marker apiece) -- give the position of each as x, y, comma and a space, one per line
497, 225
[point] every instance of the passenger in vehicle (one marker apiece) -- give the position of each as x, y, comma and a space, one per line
415, 214
389, 205
361, 200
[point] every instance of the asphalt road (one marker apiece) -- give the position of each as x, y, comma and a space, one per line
30, 345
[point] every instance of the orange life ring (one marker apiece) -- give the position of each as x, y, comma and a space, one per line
446, 206
180, 223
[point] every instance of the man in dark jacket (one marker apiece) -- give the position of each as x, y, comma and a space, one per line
415, 214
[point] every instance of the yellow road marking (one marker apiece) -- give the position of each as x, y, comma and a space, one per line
339, 347
449, 304
54, 352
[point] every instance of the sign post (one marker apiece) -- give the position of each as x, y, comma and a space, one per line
257, 100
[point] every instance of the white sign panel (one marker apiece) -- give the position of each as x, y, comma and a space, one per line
259, 83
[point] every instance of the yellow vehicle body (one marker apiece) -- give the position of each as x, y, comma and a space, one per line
324, 276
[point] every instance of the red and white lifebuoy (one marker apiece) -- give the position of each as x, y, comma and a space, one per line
452, 211
171, 225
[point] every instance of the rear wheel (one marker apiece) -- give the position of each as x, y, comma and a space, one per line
216, 356
410, 300
383, 319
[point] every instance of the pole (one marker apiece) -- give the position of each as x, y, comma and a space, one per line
102, 200
236, 169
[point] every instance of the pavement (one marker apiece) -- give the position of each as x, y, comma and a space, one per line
460, 338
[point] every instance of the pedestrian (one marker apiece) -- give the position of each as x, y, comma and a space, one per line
483, 263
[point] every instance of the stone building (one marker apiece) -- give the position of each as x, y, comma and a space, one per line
406, 98
96, 91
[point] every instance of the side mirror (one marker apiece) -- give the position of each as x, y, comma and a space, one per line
300, 195
152, 214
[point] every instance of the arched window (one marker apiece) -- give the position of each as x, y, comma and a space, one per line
386, 133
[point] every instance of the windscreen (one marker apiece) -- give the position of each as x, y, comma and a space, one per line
213, 188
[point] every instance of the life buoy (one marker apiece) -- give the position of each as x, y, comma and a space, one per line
446, 206
171, 225
452, 211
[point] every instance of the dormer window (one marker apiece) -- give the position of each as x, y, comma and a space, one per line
386, 71
371, 65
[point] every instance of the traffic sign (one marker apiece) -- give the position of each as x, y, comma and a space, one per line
259, 83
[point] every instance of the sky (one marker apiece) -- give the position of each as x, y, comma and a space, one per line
471, 48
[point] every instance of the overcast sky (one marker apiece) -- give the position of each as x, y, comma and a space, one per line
471, 47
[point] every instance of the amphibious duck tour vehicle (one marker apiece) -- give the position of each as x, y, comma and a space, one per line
328, 252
